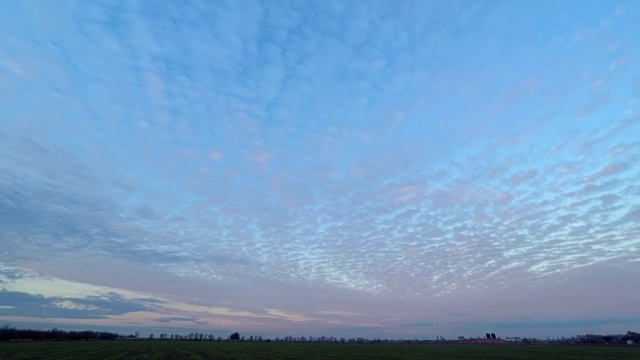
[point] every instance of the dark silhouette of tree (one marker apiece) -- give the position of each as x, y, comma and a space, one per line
633, 336
8, 333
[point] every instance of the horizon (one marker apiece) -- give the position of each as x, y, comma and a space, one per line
430, 168
145, 333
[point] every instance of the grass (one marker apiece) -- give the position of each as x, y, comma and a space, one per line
174, 350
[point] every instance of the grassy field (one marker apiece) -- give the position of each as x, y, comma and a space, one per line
225, 350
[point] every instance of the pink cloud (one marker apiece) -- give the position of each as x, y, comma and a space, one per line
522, 177
262, 157
215, 155
609, 170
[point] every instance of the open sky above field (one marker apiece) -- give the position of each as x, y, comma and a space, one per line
345, 168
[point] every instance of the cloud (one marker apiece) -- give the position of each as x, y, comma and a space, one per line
556, 324
94, 307
620, 61
609, 170
596, 102
212, 155
424, 324
521, 177
174, 318
290, 316
9, 274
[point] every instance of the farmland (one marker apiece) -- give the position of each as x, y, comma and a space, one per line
72, 350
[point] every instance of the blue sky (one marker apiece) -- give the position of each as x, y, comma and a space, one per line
338, 168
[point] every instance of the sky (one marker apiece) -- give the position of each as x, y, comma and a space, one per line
304, 168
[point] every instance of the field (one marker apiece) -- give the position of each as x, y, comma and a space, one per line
224, 350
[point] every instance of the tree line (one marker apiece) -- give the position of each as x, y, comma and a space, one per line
8, 333
630, 337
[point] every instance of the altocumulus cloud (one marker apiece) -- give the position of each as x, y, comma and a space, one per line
423, 163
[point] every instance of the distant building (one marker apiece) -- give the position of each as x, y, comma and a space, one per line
485, 341
489, 338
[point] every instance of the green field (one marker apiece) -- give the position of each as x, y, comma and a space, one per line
226, 350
